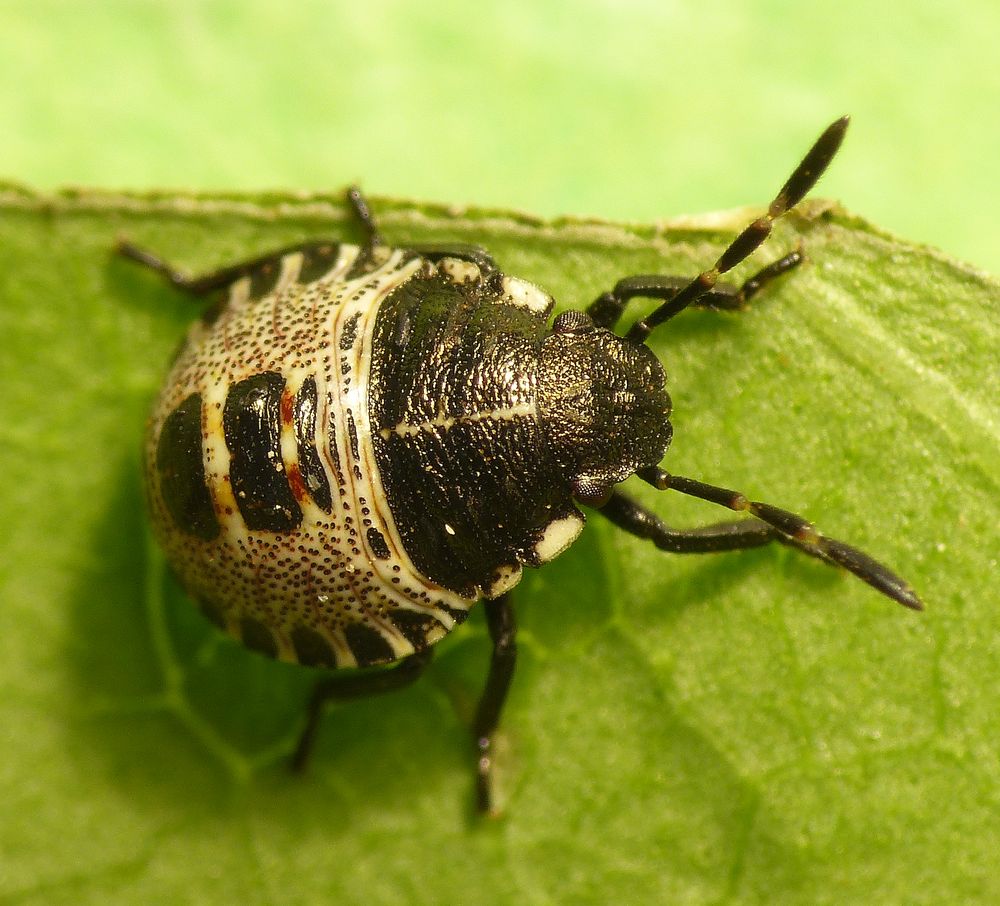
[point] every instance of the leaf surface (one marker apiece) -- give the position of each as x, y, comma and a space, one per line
749, 727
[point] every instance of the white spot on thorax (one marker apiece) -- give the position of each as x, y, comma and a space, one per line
527, 295
459, 271
557, 536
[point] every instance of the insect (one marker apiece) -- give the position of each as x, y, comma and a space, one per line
356, 443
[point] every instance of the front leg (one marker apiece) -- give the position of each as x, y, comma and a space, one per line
794, 530
732, 535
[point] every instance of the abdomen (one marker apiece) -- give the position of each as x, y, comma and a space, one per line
264, 486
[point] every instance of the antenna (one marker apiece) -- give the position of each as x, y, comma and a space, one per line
792, 192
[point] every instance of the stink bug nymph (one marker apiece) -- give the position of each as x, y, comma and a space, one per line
358, 442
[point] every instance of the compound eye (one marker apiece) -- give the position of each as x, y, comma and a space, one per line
572, 322
592, 491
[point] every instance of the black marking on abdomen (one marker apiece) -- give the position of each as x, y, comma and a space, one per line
318, 260
310, 466
211, 312
263, 278
457, 614
213, 613
414, 626
349, 332
352, 433
257, 637
181, 467
361, 265
251, 421
368, 645
376, 541
312, 649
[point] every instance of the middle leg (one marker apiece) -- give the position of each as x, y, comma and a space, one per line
606, 310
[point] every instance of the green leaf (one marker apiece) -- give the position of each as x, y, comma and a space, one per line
749, 727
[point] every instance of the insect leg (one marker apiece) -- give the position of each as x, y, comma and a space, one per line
792, 529
263, 271
624, 512
363, 214
432, 251
758, 281
474, 254
318, 256
503, 629
344, 688
607, 309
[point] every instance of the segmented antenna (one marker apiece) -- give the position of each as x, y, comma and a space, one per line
792, 192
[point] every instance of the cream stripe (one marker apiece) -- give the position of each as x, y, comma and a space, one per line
353, 399
291, 264
374, 287
377, 497
404, 429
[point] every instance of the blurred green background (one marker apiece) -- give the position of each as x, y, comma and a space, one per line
635, 109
